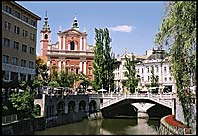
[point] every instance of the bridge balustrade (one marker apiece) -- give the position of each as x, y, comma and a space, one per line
160, 98
9, 119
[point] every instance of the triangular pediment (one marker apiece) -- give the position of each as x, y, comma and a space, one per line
72, 31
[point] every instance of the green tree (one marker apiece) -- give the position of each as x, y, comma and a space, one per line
23, 102
84, 81
103, 61
53, 84
132, 81
154, 80
54, 73
178, 31
42, 76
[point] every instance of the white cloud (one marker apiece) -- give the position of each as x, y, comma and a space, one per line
122, 28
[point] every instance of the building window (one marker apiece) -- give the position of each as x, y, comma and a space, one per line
6, 42
16, 29
165, 79
72, 45
72, 70
23, 63
31, 64
138, 70
29, 77
142, 79
25, 18
90, 71
5, 75
9, 9
148, 69
5, 59
17, 14
14, 61
14, 76
23, 77
148, 78
46, 36
16, 45
157, 68
76, 70
164, 69
31, 50
170, 68
170, 79
32, 36
33, 23
25, 33
142, 70
7, 25
24, 48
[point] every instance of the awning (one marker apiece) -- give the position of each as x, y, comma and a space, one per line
89, 87
144, 89
139, 87
153, 88
102, 90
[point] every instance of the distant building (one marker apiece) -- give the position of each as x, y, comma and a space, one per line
70, 52
155, 58
19, 32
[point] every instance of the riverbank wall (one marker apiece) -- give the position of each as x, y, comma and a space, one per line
23, 127
65, 119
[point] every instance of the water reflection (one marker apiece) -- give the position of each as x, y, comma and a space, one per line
105, 127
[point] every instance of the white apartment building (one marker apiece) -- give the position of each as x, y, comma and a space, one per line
155, 58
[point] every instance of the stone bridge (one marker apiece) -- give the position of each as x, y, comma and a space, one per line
142, 102
51, 105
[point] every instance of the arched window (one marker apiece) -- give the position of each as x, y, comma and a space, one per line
46, 36
72, 45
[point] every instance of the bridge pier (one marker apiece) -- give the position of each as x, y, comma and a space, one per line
142, 114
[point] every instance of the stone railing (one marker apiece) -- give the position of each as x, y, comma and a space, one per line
162, 99
9, 119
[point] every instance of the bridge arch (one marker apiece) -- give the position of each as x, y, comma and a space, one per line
82, 106
71, 106
155, 110
60, 107
92, 106
158, 110
38, 107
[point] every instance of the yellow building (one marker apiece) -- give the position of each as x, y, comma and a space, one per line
19, 32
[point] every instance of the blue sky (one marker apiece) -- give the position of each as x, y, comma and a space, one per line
132, 25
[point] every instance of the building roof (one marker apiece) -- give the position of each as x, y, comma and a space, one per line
157, 54
21, 7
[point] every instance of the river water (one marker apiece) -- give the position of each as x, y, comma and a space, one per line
118, 126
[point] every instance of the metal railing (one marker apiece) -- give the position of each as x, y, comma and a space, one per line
9, 119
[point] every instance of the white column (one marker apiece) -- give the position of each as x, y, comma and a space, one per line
59, 39
48, 63
80, 43
80, 66
85, 46
64, 42
85, 68
26, 75
59, 65
64, 64
9, 75
19, 77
